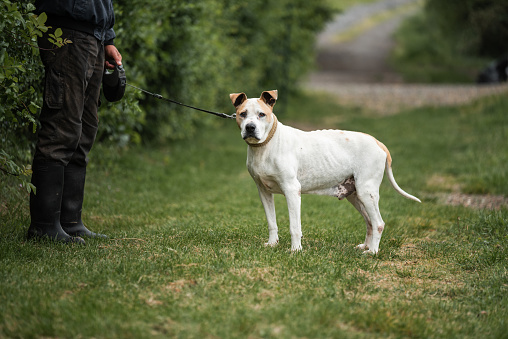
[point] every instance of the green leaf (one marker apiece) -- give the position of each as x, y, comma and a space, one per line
18, 16
58, 32
11, 7
33, 108
42, 18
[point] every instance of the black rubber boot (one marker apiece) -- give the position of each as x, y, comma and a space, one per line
45, 204
72, 202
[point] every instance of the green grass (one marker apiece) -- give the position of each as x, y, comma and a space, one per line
186, 258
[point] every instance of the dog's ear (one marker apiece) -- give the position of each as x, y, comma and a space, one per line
237, 98
269, 97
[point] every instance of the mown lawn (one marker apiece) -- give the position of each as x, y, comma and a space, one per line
185, 257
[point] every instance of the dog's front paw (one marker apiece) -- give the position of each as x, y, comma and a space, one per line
367, 249
296, 248
272, 243
361, 246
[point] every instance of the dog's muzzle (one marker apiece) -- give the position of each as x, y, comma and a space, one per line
250, 131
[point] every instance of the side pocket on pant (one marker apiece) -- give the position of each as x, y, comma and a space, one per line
54, 91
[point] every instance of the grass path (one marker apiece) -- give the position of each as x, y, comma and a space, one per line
186, 256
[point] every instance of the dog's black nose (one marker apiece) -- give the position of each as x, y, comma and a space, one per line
250, 128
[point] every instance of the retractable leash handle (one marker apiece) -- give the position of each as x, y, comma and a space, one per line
114, 82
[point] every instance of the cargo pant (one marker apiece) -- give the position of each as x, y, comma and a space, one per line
69, 118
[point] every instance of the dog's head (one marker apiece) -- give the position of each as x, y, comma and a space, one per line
254, 116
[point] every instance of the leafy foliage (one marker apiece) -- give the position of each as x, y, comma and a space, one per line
198, 52
479, 27
20, 71
451, 41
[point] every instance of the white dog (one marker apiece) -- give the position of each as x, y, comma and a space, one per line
288, 161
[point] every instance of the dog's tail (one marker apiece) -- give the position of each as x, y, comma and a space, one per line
389, 172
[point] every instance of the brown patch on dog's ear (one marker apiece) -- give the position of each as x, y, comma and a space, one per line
269, 97
237, 98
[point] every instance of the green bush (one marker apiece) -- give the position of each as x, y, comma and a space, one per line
478, 27
198, 52
19, 78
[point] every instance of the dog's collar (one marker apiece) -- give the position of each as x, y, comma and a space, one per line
269, 137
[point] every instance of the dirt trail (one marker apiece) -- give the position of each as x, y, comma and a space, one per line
357, 73
363, 59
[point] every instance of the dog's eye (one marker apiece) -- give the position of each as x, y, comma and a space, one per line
261, 115
243, 114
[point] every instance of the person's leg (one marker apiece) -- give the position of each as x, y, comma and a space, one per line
72, 202
48, 179
75, 171
67, 72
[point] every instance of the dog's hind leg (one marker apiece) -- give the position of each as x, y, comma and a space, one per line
369, 197
353, 199
269, 206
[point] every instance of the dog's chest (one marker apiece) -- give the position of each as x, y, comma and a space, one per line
266, 173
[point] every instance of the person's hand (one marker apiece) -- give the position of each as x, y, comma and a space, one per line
111, 53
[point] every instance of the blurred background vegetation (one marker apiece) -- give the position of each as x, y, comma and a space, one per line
449, 41
199, 51
195, 52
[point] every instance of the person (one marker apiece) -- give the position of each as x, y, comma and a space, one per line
69, 117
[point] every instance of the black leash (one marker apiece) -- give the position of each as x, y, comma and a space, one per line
158, 96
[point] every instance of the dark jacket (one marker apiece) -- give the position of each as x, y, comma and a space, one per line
95, 17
